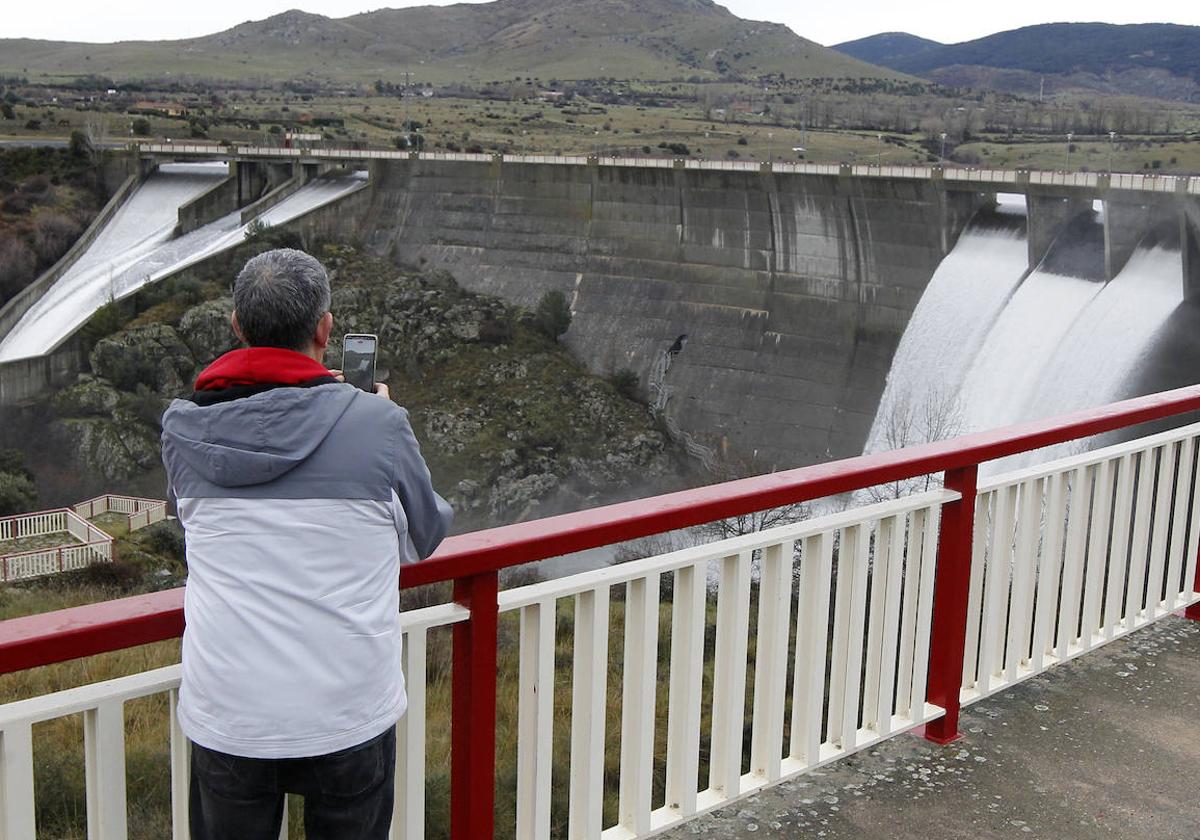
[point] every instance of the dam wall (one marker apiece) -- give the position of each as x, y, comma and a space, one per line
793, 290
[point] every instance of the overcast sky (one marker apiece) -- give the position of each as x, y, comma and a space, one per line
824, 22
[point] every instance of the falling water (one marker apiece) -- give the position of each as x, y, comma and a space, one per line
950, 324
996, 347
137, 248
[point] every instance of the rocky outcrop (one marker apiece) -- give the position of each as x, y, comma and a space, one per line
511, 425
206, 331
153, 356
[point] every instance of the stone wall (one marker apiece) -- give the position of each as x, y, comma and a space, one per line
794, 290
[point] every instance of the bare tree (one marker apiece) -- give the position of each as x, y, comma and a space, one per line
760, 520
937, 416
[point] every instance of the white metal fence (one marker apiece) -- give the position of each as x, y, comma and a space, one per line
48, 561
1076, 553
37, 524
91, 545
140, 512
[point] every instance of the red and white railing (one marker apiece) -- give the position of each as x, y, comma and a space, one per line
140, 512
890, 615
90, 544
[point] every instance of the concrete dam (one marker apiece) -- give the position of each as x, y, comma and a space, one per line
760, 307
793, 291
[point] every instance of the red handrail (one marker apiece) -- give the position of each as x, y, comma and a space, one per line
487, 551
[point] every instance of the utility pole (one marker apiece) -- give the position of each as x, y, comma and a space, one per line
1112, 141
1067, 166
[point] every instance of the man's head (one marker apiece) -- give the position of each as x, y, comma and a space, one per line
281, 299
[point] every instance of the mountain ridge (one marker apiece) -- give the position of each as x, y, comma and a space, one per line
569, 39
1146, 59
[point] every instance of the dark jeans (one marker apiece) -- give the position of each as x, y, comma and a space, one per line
347, 794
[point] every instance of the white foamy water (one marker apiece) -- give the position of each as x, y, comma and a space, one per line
997, 350
951, 322
1098, 358
1007, 371
136, 248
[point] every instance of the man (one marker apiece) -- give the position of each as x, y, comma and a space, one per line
300, 497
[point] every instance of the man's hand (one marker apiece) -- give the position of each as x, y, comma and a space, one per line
381, 388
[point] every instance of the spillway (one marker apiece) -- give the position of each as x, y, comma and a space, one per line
992, 346
949, 326
137, 248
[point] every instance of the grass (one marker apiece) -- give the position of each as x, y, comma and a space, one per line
37, 543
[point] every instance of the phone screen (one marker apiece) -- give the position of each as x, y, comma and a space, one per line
358, 361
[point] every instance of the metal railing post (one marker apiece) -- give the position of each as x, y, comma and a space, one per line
473, 706
951, 590
1193, 612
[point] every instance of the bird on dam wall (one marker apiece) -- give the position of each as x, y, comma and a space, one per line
676, 348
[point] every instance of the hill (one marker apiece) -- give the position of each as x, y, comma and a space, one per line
566, 39
886, 48
1150, 59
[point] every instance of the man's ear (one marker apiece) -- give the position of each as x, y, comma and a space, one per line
324, 330
237, 330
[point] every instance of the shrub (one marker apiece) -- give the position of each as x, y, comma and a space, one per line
141, 127
35, 185
13, 461
495, 331
80, 146
742, 141
33, 125
17, 265
16, 203
53, 235
552, 317
17, 494
625, 383
166, 538
257, 229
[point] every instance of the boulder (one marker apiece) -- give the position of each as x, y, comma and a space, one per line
153, 355
206, 330
88, 397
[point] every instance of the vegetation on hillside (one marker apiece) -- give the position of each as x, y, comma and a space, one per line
659, 39
47, 198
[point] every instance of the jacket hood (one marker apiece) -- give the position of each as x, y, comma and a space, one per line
258, 438
257, 365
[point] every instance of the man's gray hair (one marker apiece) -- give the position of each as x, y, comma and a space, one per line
280, 296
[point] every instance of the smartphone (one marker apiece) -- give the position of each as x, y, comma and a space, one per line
358, 360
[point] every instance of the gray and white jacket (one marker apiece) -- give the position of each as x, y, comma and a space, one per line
299, 503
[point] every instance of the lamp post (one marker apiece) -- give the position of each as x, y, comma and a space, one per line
1067, 165
770, 138
943, 136
1112, 142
